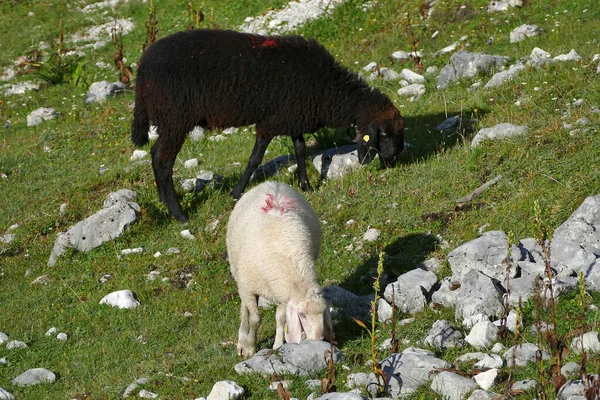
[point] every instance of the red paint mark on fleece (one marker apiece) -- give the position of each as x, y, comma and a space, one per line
282, 205
269, 43
269, 203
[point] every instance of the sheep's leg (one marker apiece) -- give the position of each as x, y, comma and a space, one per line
258, 152
279, 333
300, 148
243, 331
250, 318
162, 165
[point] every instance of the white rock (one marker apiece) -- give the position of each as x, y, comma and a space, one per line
138, 155
34, 376
524, 31
3, 338
571, 56
62, 336
136, 250
52, 331
122, 299
538, 53
211, 226
482, 335
16, 344
21, 88
197, 133
153, 275
498, 348
369, 67
191, 163
588, 342
447, 49
275, 385
415, 90
490, 361
487, 379
186, 234
371, 235
145, 394
400, 55
5, 395
133, 386
411, 77
41, 114
157, 254
225, 390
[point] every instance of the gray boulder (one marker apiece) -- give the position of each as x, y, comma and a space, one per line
407, 371
413, 91
99, 91
522, 354
452, 386
411, 291
443, 335
446, 294
6, 395
482, 335
574, 389
503, 5
524, 31
226, 390
485, 254
41, 114
524, 386
118, 214
34, 376
570, 56
583, 226
587, 342
504, 76
302, 359
21, 88
464, 64
500, 131
480, 394
337, 162
341, 396
478, 295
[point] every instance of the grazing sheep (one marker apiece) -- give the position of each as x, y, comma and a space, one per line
285, 85
273, 240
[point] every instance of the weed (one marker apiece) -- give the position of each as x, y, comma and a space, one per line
57, 70
125, 71
151, 27
382, 380
196, 16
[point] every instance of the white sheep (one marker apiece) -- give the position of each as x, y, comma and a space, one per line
273, 240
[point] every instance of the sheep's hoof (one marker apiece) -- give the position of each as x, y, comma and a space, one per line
183, 218
305, 186
245, 352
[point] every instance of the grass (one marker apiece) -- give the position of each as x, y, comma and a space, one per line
84, 154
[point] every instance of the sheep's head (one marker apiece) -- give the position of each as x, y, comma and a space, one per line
384, 136
309, 316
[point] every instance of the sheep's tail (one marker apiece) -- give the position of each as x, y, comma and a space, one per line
141, 122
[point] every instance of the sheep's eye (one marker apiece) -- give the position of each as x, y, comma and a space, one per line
302, 314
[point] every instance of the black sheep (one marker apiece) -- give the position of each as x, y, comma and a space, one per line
285, 85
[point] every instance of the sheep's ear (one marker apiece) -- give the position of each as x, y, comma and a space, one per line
293, 332
373, 132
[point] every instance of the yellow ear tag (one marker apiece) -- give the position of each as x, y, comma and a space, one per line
366, 138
